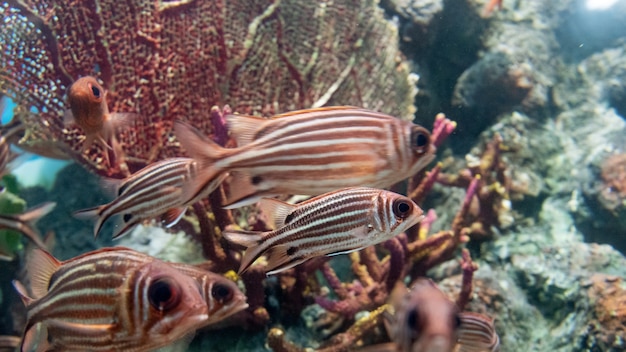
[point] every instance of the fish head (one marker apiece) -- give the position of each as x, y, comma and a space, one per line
173, 305
425, 320
87, 101
420, 147
400, 213
222, 296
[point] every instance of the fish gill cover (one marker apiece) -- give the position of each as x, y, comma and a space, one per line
176, 59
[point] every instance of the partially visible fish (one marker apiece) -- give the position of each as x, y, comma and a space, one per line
24, 222
477, 333
8, 133
338, 222
423, 319
222, 296
151, 192
112, 299
89, 110
308, 152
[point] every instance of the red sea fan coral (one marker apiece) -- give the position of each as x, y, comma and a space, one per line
177, 59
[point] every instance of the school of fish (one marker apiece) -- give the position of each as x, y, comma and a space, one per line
117, 299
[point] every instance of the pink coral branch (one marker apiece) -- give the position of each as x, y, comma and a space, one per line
442, 128
468, 267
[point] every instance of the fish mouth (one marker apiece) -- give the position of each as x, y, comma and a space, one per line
238, 304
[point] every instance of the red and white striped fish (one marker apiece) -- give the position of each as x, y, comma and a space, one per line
112, 299
423, 319
308, 152
151, 192
222, 296
338, 222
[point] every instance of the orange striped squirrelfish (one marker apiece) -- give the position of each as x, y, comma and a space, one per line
425, 320
338, 222
112, 299
308, 152
150, 192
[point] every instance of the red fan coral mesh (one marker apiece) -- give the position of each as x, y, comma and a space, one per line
166, 60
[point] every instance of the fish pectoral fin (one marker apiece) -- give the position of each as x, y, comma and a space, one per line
281, 258
173, 215
40, 267
275, 211
68, 118
245, 188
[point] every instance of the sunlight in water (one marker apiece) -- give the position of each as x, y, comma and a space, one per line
600, 4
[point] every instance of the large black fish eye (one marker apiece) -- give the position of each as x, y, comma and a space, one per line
402, 208
457, 321
222, 293
411, 319
420, 139
164, 294
95, 90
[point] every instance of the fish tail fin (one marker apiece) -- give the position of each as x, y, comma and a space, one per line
205, 152
93, 213
252, 240
28, 219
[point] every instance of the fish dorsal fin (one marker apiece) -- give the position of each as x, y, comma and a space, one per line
244, 127
276, 212
40, 268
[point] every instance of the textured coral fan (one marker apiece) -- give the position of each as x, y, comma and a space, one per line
176, 59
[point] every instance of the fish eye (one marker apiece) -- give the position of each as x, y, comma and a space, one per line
95, 90
457, 321
411, 319
221, 293
420, 139
402, 208
164, 294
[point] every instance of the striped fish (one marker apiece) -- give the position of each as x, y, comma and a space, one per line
338, 222
222, 296
151, 192
477, 333
8, 133
423, 319
308, 152
112, 299
24, 222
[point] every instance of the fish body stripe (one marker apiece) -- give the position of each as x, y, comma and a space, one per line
156, 173
477, 333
